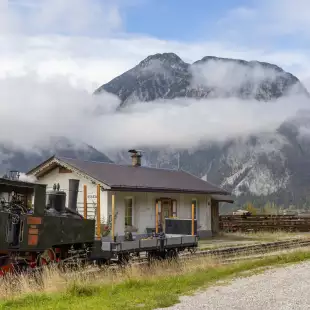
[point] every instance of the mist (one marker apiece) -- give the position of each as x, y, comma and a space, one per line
32, 111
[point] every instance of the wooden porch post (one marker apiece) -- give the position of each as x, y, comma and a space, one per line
85, 201
98, 212
113, 213
156, 218
193, 219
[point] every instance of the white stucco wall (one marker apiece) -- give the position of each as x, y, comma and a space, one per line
144, 209
63, 179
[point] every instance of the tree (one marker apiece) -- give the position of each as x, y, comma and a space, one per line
270, 208
249, 207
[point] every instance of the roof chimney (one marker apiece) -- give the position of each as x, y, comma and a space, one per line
135, 157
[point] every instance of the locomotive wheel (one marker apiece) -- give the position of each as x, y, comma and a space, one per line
46, 258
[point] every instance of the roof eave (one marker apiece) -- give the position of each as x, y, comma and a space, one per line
35, 169
52, 160
223, 198
166, 190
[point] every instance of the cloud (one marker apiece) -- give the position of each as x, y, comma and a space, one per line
49, 76
70, 17
230, 75
33, 110
90, 62
187, 123
269, 19
86, 40
54, 108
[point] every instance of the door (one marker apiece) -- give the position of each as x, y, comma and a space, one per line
215, 226
166, 211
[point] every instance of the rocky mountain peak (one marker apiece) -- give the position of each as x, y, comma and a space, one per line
164, 58
167, 76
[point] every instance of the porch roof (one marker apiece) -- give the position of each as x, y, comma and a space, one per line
130, 178
223, 198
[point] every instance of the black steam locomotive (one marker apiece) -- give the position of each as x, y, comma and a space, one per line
46, 231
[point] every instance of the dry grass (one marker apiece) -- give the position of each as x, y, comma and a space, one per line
146, 287
53, 280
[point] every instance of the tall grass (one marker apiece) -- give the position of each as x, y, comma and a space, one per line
146, 287
53, 280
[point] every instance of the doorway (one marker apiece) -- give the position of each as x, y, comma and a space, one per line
166, 211
215, 226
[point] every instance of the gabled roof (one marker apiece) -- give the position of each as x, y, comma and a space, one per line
130, 178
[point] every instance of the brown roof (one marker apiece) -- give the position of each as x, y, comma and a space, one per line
130, 178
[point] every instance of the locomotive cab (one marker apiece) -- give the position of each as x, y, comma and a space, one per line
15, 200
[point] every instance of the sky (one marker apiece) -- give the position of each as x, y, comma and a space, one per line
55, 53
92, 41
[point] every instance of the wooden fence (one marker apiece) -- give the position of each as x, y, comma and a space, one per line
231, 223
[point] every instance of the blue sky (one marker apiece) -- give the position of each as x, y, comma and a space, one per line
78, 37
178, 19
272, 23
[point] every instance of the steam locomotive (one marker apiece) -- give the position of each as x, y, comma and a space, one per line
46, 231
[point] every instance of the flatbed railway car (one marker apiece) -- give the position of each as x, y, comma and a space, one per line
32, 236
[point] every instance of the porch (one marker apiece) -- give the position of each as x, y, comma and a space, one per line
144, 213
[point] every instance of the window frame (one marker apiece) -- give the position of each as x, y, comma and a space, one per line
132, 210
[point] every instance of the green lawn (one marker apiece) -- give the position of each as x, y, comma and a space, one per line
150, 292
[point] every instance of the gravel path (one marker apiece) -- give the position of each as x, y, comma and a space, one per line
285, 288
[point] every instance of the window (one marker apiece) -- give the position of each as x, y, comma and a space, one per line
194, 201
128, 212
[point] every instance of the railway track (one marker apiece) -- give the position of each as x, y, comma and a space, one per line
239, 250
256, 248
225, 255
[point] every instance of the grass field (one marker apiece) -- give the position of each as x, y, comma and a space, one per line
131, 288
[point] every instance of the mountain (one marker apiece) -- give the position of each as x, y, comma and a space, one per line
265, 167
167, 76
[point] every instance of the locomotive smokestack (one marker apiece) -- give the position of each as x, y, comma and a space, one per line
73, 194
